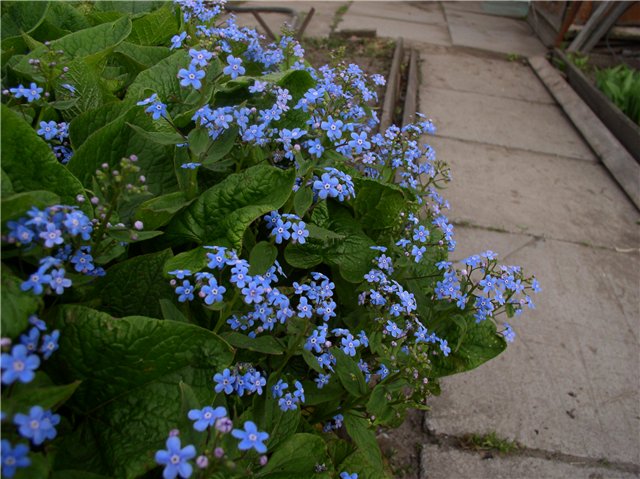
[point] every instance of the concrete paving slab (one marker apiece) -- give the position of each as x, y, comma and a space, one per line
516, 9
320, 25
446, 463
472, 73
424, 28
411, 12
538, 194
491, 33
570, 382
504, 122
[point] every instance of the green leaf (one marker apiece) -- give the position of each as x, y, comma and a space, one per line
30, 163
378, 206
350, 374
17, 305
155, 28
87, 123
302, 201
260, 344
159, 137
18, 17
194, 260
359, 462
364, 437
297, 82
170, 311
351, 252
40, 468
7, 187
219, 149
116, 140
135, 286
479, 344
199, 140
133, 364
162, 79
51, 397
140, 57
228, 208
158, 211
296, 458
15, 206
262, 257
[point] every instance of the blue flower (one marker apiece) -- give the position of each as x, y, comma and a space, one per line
349, 345
52, 236
234, 67
35, 282
332, 127
13, 457
31, 339
185, 292
258, 86
19, 365
281, 231
38, 426
300, 232
346, 475
326, 186
288, 402
279, 388
359, 142
58, 281
190, 166
206, 417
176, 40
304, 308
251, 438
175, 459
180, 273
383, 371
224, 382
253, 293
49, 344
200, 57
213, 292
191, 77
322, 380
32, 93
48, 129
508, 333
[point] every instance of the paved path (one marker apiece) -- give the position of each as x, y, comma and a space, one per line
528, 186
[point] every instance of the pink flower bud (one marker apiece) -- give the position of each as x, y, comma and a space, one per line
139, 225
202, 462
218, 452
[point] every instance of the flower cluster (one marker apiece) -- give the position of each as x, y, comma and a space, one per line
57, 135
288, 401
20, 365
236, 382
59, 231
334, 184
176, 459
286, 226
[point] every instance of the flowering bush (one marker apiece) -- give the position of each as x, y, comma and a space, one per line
213, 265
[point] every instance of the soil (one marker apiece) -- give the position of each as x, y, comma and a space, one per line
373, 55
401, 447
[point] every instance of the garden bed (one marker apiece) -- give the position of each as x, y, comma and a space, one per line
623, 128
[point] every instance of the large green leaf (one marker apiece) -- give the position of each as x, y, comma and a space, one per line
350, 374
49, 397
378, 206
478, 343
16, 305
261, 344
364, 437
130, 397
30, 163
15, 206
352, 254
296, 458
86, 124
92, 43
158, 211
228, 208
117, 140
135, 286
140, 57
18, 17
162, 79
155, 28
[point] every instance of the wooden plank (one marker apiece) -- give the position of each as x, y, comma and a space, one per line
590, 26
393, 84
411, 97
615, 158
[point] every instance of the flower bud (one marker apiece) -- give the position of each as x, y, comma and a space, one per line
202, 462
139, 225
218, 452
